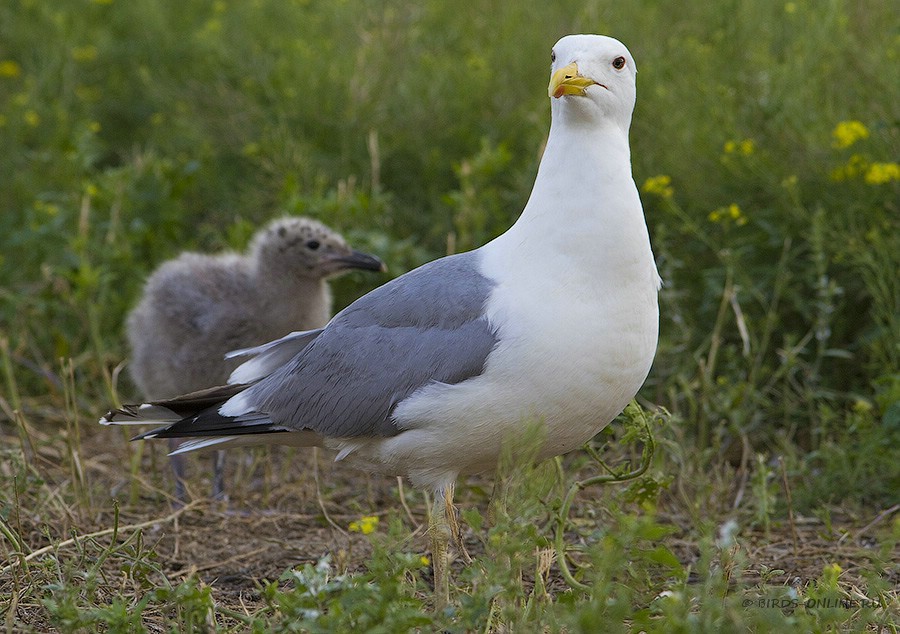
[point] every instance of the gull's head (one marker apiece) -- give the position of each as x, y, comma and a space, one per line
592, 77
304, 247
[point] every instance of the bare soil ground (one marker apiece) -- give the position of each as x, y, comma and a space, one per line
288, 507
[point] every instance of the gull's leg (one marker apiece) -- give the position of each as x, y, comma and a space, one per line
218, 483
453, 522
440, 532
179, 469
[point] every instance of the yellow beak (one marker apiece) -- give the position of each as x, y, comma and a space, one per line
567, 81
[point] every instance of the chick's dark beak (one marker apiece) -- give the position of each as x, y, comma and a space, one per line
357, 260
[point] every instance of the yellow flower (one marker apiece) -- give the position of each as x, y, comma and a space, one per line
744, 146
731, 213
846, 133
881, 173
32, 118
365, 525
84, 53
855, 165
94, 126
50, 209
9, 68
424, 560
660, 185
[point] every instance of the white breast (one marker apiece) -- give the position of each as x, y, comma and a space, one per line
570, 358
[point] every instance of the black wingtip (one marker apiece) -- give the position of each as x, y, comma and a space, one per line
153, 433
111, 417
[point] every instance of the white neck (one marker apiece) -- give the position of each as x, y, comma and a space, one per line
584, 204
580, 164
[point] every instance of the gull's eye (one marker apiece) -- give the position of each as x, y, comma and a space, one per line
619, 63
312, 244
552, 56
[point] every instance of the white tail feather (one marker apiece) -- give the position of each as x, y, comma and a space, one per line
145, 414
268, 357
196, 444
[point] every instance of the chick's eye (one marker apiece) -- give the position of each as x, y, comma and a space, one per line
619, 63
312, 244
552, 56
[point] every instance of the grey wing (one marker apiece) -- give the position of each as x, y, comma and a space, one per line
425, 326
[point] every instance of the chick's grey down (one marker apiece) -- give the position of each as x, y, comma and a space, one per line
198, 307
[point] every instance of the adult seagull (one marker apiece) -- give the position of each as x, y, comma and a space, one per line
554, 321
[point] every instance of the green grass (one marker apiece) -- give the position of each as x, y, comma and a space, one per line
134, 130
